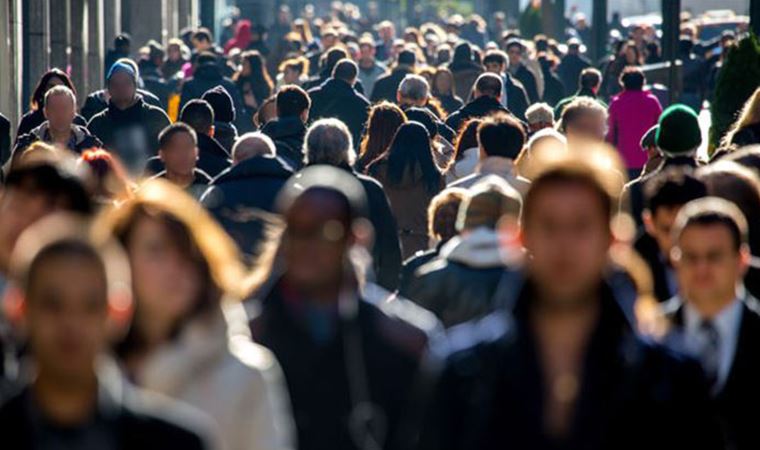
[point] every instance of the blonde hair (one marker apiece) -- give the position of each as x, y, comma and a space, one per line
749, 115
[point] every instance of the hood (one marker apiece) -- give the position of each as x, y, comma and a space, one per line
221, 102
208, 145
283, 127
256, 167
209, 72
478, 249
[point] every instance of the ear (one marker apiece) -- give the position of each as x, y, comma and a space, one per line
648, 219
211, 131
120, 313
362, 234
745, 259
14, 306
161, 154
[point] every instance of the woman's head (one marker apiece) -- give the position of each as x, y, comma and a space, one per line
467, 137
410, 153
111, 180
443, 82
384, 120
631, 54
254, 67
51, 78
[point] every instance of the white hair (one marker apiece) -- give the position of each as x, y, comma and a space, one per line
414, 88
328, 141
251, 145
540, 113
61, 90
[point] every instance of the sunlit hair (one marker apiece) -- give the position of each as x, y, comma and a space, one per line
442, 213
442, 72
467, 137
384, 120
61, 90
579, 107
749, 115
38, 96
298, 63
110, 177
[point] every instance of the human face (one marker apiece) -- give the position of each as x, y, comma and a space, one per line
201, 45
659, 224
367, 52
708, 265
291, 76
567, 237
587, 126
166, 282
443, 83
122, 89
174, 53
515, 56
19, 208
494, 68
66, 315
180, 154
60, 111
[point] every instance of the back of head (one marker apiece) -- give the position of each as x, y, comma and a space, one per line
332, 57
442, 213
578, 108
251, 145
632, 78
410, 154
488, 84
424, 117
489, 201
206, 58
539, 113
221, 102
292, 101
501, 135
329, 142
199, 115
414, 88
346, 70
61, 181
590, 78
407, 58
673, 187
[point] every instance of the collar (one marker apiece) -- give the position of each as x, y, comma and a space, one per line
726, 321
496, 165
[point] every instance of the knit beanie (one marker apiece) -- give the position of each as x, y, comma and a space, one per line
120, 67
221, 102
678, 132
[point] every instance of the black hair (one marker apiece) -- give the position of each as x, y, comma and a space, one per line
38, 95
710, 217
672, 187
501, 135
61, 186
199, 115
345, 70
495, 57
410, 151
292, 101
67, 249
632, 78
589, 78
178, 127
206, 58
489, 84
203, 34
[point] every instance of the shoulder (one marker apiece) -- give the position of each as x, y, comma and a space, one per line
401, 324
478, 340
155, 111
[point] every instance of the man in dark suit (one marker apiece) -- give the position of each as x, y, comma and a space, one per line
713, 317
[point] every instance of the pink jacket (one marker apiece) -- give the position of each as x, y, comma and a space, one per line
631, 114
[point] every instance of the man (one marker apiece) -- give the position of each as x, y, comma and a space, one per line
98, 101
664, 196
329, 143
351, 369
225, 131
289, 128
72, 290
59, 128
563, 367
153, 78
572, 64
539, 116
242, 197
589, 82
487, 100
386, 86
384, 47
500, 140
583, 120
178, 151
370, 69
207, 75
514, 96
129, 127
459, 285
517, 68
414, 94
121, 49
327, 63
713, 317
337, 98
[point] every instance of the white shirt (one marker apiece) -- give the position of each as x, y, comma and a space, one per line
727, 323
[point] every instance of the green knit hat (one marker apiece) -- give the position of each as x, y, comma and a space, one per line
678, 131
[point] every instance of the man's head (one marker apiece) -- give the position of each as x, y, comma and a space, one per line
329, 142
496, 61
442, 214
346, 70
664, 195
386, 30
710, 252
122, 43
584, 119
539, 116
502, 136
407, 58
515, 51
367, 50
199, 115
251, 145
488, 85
413, 91
221, 103
292, 101
60, 108
178, 149
573, 46
122, 84
678, 132
632, 79
590, 79
202, 40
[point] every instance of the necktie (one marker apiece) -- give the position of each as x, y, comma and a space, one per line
710, 354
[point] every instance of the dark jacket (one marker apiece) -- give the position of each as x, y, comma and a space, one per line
480, 107
206, 77
633, 394
81, 139
288, 134
97, 102
748, 135
526, 77
450, 103
242, 197
5, 139
570, 68
336, 98
383, 352
199, 185
517, 97
155, 83
647, 247
34, 118
131, 133
740, 394
554, 90
464, 79
386, 86
225, 133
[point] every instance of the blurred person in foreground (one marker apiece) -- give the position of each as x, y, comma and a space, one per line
178, 151
563, 367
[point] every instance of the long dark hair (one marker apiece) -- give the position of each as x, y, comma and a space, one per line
384, 121
259, 79
467, 137
38, 96
409, 151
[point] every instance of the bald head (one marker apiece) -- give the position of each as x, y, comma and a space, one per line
251, 145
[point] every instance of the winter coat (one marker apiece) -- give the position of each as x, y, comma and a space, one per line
631, 115
528, 80
206, 77
450, 103
197, 187
98, 101
570, 68
225, 133
661, 271
336, 98
34, 118
288, 134
464, 80
81, 139
480, 107
386, 86
465, 166
494, 165
517, 97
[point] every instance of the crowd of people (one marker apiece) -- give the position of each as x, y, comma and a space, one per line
324, 236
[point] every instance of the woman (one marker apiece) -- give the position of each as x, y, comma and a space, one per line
384, 120
111, 183
465, 70
34, 118
467, 153
746, 129
253, 81
443, 89
189, 338
411, 178
242, 38
293, 71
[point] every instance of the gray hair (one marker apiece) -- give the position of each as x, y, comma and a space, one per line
328, 141
251, 145
539, 113
414, 88
61, 90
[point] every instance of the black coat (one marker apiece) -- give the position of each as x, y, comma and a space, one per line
213, 159
738, 400
336, 98
633, 394
386, 86
450, 103
570, 68
517, 97
34, 118
239, 195
288, 134
480, 107
96, 102
410, 266
647, 247
386, 353
528, 80
209, 76
226, 134
5, 139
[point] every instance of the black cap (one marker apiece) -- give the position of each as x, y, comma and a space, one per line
221, 102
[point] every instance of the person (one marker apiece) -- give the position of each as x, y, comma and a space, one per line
178, 151
384, 47
242, 197
122, 44
207, 75
713, 319
411, 178
292, 71
289, 128
175, 58
384, 120
5, 139
583, 119
500, 140
442, 88
253, 83
413, 97
151, 75
59, 127
337, 98
465, 69
111, 183
370, 69
242, 38
694, 75
554, 89
35, 116
387, 85
72, 289
225, 116
202, 41
539, 116
328, 142
189, 339
513, 97
518, 69
664, 196
467, 153
459, 285
351, 368
746, 129
631, 114
486, 101
555, 367
589, 82
573, 63
129, 127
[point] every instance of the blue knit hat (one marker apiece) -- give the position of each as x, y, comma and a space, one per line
120, 67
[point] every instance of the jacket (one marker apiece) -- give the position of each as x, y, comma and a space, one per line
242, 198
368, 76
80, 141
206, 77
647, 247
517, 96
494, 165
528, 80
98, 101
336, 98
465, 166
386, 86
450, 103
34, 118
480, 107
288, 134
631, 115
570, 68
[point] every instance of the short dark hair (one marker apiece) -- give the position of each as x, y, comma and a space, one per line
206, 58
589, 78
672, 187
495, 57
55, 181
169, 132
203, 34
64, 250
407, 57
713, 211
501, 135
345, 70
489, 84
292, 101
632, 78
199, 115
